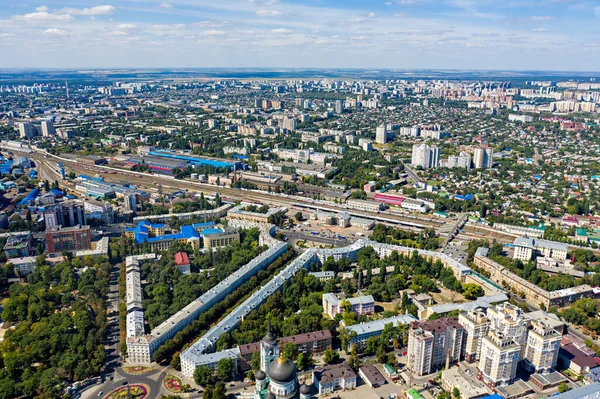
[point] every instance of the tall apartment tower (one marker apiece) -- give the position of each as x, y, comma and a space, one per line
483, 158
477, 326
47, 128
425, 156
433, 345
498, 359
509, 320
541, 351
381, 134
339, 106
26, 130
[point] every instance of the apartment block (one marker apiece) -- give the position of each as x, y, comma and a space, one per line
76, 238
543, 345
433, 345
477, 326
498, 359
362, 305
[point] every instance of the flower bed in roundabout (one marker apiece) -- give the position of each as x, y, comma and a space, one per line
135, 391
173, 384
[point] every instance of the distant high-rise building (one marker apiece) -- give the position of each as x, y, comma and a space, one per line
477, 326
47, 128
541, 351
433, 345
339, 106
381, 134
425, 156
498, 359
289, 124
483, 158
26, 130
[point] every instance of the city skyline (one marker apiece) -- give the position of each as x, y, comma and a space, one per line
408, 34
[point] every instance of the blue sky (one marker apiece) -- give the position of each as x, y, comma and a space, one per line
403, 34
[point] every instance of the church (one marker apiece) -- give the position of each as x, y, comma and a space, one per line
278, 376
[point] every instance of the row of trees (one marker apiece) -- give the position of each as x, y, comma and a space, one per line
168, 291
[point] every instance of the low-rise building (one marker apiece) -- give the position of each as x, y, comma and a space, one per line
182, 262
334, 377
371, 376
455, 377
362, 305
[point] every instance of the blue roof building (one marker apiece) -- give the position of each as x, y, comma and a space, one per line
153, 234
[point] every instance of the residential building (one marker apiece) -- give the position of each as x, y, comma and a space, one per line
498, 359
543, 345
509, 320
182, 262
534, 295
425, 156
483, 158
334, 377
18, 246
314, 343
381, 134
26, 130
362, 305
59, 239
360, 333
433, 345
47, 128
477, 326
525, 248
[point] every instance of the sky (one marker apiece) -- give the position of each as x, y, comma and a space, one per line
397, 34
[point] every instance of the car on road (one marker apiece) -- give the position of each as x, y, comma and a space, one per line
100, 393
125, 383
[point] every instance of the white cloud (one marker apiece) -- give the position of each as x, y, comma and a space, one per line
126, 26
165, 5
268, 13
42, 9
213, 32
42, 17
92, 11
55, 32
282, 31
117, 33
539, 30
541, 18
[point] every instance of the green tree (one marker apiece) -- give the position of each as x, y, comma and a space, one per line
303, 361
298, 216
220, 391
176, 362
290, 351
225, 370
455, 393
472, 291
331, 356
563, 387
203, 375
256, 361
